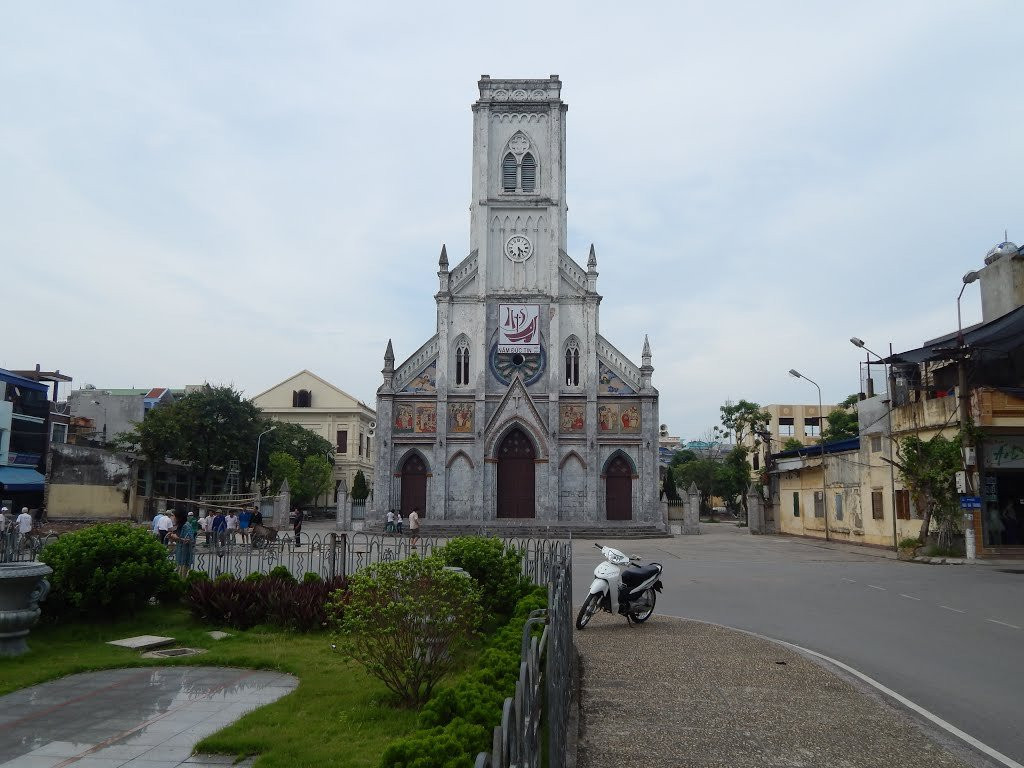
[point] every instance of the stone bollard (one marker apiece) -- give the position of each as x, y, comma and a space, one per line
691, 517
755, 512
22, 587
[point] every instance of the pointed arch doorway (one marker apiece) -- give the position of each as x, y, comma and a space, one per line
516, 476
414, 485
618, 489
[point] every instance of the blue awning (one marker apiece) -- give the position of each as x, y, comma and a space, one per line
21, 479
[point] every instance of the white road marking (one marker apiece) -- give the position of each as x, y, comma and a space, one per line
850, 581
910, 597
1009, 762
954, 610
874, 587
948, 727
996, 621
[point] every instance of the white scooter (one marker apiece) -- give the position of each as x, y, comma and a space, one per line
621, 585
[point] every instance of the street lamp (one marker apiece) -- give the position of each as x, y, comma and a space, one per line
961, 391
859, 343
969, 278
821, 439
256, 469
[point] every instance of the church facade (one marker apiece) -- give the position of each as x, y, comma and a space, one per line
517, 407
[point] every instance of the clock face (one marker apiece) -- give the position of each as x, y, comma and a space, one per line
518, 248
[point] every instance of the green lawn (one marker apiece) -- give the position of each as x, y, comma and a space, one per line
338, 716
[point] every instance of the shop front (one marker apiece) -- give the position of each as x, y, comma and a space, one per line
1003, 495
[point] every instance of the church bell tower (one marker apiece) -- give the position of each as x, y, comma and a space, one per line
518, 211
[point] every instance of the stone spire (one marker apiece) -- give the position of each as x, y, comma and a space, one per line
388, 371
592, 270
444, 277
646, 369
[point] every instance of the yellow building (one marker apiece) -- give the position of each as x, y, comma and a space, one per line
338, 417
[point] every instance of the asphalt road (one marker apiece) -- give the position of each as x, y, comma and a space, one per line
949, 638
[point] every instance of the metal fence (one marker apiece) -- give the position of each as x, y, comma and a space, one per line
546, 673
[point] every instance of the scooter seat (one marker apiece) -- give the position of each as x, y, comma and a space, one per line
638, 574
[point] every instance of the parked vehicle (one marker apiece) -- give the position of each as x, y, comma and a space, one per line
623, 586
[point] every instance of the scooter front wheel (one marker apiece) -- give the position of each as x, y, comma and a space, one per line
589, 608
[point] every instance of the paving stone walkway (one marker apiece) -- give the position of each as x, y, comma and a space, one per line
149, 717
681, 694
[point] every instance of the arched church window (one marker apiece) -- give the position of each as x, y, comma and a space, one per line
509, 173
462, 364
529, 173
572, 364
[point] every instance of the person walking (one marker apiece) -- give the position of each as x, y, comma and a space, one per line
184, 538
398, 522
165, 525
24, 523
389, 521
244, 523
232, 525
219, 526
295, 518
414, 526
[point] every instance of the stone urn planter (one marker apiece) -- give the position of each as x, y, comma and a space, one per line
22, 586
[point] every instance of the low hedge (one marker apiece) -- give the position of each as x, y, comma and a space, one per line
457, 723
275, 600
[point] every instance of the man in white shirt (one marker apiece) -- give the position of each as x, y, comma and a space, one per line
23, 525
165, 525
232, 523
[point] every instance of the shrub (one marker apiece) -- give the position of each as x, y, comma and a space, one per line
244, 603
406, 622
909, 543
194, 577
456, 724
309, 577
496, 568
106, 571
281, 572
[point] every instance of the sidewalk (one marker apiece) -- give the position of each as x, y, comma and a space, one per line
681, 694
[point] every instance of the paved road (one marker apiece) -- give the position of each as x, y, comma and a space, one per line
949, 638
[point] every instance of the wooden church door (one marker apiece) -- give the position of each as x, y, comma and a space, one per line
516, 476
618, 484
414, 486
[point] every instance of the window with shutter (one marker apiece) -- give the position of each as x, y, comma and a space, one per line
342, 441
877, 511
819, 503
903, 504
796, 504
509, 173
529, 173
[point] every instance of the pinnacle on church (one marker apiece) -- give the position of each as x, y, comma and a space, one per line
443, 261
647, 347
389, 356
592, 259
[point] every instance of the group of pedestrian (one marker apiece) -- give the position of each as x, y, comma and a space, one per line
13, 530
393, 523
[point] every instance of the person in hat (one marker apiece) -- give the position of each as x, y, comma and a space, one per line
184, 537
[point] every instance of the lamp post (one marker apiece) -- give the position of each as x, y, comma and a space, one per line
859, 343
256, 468
962, 396
821, 439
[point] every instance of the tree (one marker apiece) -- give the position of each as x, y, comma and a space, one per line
842, 422
407, 622
205, 429
313, 480
928, 469
791, 444
360, 490
742, 419
296, 441
283, 466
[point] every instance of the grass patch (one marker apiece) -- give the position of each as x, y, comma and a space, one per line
338, 716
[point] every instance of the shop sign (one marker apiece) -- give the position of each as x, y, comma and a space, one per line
1004, 453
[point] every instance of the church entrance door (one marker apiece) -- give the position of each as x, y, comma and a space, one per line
414, 486
516, 476
618, 486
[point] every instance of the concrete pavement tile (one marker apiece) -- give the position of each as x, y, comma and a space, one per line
61, 749
39, 761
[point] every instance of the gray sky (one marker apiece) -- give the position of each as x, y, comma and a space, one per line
233, 191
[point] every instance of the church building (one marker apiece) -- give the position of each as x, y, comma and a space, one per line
517, 407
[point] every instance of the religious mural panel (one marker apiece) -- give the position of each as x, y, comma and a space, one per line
608, 418
460, 417
571, 418
629, 418
403, 418
610, 383
425, 382
426, 417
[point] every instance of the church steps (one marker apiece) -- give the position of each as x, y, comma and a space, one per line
533, 528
